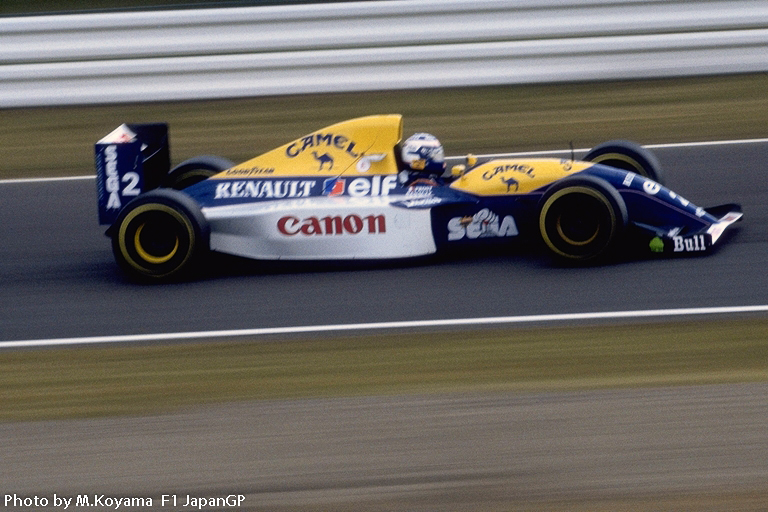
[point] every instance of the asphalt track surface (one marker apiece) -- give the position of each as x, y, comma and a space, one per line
687, 448
58, 278
693, 448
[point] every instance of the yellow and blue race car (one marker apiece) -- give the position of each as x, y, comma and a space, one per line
354, 190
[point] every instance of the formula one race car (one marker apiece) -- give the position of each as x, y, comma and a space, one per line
354, 191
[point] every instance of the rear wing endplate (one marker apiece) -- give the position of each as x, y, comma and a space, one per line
130, 160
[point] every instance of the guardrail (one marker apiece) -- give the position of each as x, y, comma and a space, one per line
355, 46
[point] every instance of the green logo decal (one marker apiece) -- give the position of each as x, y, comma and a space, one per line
657, 245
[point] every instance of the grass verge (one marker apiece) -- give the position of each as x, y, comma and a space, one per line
136, 380
59, 141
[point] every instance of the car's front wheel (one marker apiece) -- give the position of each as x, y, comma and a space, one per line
627, 156
581, 219
160, 235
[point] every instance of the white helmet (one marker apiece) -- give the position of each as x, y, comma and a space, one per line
422, 152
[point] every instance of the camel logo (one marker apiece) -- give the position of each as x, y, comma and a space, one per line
319, 141
511, 182
503, 169
323, 159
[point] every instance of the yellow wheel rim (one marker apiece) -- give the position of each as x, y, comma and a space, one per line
155, 260
143, 261
571, 241
588, 191
634, 164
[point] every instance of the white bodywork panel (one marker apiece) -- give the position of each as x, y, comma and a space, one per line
321, 228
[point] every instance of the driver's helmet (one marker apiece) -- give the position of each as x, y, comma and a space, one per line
423, 153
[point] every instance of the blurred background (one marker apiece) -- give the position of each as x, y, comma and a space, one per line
646, 415
242, 77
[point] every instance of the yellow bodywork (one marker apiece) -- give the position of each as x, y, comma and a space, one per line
365, 146
516, 176
361, 146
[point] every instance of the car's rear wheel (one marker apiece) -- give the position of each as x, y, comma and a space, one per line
160, 235
581, 219
196, 170
627, 156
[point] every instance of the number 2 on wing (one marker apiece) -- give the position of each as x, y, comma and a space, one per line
132, 180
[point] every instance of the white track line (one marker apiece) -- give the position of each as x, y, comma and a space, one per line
490, 155
45, 180
710, 143
611, 315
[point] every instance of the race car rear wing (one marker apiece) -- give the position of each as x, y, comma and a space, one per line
131, 159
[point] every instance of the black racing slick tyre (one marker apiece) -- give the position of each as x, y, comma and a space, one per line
582, 218
160, 235
195, 170
627, 156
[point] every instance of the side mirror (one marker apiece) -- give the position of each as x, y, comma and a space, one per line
457, 171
